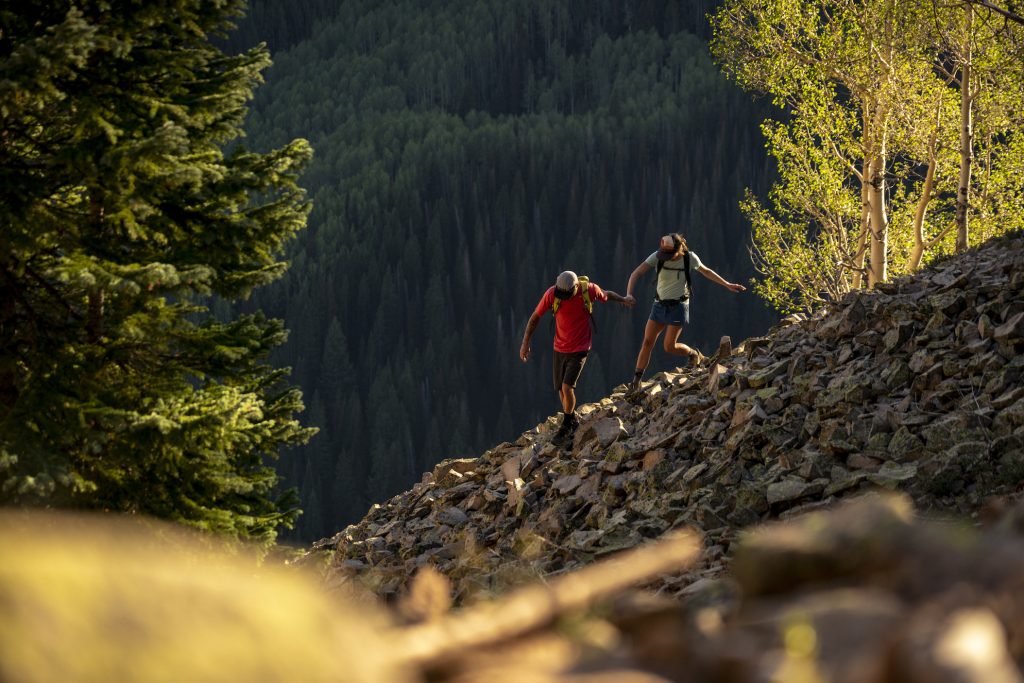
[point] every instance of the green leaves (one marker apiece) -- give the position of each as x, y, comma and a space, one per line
867, 146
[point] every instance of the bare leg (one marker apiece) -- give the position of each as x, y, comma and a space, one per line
673, 346
651, 332
568, 396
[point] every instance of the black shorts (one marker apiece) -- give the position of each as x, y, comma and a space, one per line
567, 368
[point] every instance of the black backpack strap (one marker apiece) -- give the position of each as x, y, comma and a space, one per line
686, 269
686, 272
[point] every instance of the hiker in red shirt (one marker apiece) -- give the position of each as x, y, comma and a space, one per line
571, 301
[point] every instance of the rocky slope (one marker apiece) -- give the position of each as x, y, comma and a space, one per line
865, 592
914, 386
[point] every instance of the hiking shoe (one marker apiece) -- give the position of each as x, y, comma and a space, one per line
562, 433
574, 423
633, 387
698, 359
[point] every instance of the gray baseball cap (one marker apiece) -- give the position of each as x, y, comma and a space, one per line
565, 284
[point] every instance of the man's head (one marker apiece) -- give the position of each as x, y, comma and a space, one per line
565, 284
671, 245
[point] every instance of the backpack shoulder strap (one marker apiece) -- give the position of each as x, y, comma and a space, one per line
585, 290
686, 272
584, 282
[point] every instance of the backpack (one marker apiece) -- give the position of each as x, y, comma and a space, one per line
584, 282
686, 272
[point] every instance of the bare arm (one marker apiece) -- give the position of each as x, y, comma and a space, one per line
617, 298
716, 278
524, 350
637, 272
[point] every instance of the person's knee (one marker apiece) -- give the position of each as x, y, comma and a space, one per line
648, 342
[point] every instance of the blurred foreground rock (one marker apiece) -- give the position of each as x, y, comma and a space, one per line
101, 600
863, 593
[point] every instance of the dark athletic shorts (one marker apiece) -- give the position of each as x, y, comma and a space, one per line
567, 368
676, 314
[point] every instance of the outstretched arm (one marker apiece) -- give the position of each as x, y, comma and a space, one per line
716, 278
524, 350
618, 298
637, 272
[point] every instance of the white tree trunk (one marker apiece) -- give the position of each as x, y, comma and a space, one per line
865, 226
963, 194
879, 221
917, 252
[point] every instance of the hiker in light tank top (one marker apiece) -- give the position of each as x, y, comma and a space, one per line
674, 263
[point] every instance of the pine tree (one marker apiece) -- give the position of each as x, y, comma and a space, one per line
122, 211
336, 370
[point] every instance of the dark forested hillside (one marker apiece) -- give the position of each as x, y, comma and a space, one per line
465, 153
281, 25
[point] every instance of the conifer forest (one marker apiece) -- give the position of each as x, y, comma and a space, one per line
465, 154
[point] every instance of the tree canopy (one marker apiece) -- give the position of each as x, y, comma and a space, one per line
902, 122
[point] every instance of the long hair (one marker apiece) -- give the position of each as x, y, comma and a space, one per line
681, 248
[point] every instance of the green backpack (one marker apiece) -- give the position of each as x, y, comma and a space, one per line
584, 283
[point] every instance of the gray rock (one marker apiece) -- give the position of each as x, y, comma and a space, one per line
898, 335
787, 490
606, 431
1012, 331
764, 377
567, 484
892, 474
904, 445
1010, 417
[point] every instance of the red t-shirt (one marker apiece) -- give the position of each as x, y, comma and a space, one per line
572, 322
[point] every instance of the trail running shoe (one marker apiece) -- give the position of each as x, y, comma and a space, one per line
562, 433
